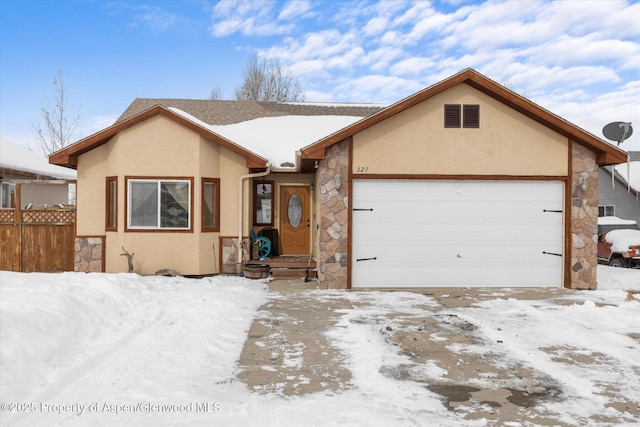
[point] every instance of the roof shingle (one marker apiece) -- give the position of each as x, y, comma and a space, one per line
229, 112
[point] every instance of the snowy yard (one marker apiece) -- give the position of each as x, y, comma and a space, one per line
101, 349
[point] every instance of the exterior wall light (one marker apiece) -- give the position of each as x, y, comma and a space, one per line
582, 182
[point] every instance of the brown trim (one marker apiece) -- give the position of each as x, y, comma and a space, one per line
568, 220
69, 156
104, 247
108, 201
157, 230
349, 211
465, 177
216, 205
255, 203
606, 153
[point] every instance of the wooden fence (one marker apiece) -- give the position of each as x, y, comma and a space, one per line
37, 240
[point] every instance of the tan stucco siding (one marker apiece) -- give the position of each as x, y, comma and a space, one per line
90, 193
416, 142
159, 148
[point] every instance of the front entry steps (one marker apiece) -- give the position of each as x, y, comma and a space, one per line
290, 266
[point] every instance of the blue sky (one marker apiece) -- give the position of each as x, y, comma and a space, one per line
579, 59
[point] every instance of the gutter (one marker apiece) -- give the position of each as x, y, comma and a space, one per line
239, 254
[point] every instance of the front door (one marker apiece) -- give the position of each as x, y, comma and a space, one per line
295, 221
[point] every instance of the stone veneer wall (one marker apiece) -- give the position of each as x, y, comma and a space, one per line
334, 214
88, 255
584, 219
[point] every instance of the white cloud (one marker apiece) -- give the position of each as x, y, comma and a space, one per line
375, 26
247, 17
156, 18
294, 9
411, 66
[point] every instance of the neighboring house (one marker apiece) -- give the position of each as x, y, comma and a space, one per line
38, 181
464, 183
619, 189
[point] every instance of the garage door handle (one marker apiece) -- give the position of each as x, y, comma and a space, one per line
366, 259
356, 209
548, 210
551, 253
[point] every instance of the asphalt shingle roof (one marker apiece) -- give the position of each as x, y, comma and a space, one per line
229, 112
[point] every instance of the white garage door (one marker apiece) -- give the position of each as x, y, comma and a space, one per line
417, 233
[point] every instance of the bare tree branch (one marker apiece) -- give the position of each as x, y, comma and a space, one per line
216, 94
268, 80
56, 127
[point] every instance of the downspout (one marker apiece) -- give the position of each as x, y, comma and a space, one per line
240, 200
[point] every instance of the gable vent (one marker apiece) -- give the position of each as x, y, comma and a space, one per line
471, 116
452, 115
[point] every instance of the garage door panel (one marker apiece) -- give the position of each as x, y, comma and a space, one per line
447, 233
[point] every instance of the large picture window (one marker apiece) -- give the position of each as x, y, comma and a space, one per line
163, 204
210, 204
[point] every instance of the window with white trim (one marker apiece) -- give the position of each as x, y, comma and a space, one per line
163, 204
606, 210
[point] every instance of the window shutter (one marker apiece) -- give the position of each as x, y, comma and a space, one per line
452, 115
471, 116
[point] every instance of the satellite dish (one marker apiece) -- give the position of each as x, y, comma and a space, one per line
617, 131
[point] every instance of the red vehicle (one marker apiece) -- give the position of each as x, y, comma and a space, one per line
618, 242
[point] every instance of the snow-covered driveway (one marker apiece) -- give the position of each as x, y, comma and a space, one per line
100, 349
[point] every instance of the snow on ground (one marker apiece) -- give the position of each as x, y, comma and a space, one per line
99, 349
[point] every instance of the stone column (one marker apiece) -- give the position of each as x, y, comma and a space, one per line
333, 175
88, 254
584, 219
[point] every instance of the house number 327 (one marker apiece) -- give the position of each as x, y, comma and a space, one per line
361, 169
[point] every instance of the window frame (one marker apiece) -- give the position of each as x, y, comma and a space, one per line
605, 208
216, 206
111, 204
10, 189
158, 228
256, 198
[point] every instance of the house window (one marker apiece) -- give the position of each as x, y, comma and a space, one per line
210, 204
466, 116
159, 204
8, 195
607, 210
263, 202
111, 223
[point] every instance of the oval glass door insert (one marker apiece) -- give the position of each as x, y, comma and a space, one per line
294, 211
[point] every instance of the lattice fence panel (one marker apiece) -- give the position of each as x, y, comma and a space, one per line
48, 216
7, 216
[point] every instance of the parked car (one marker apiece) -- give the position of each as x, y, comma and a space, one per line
618, 242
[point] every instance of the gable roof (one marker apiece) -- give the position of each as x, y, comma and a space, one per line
216, 112
605, 152
219, 121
